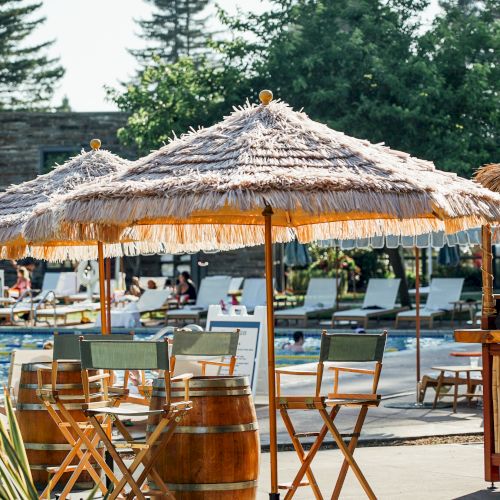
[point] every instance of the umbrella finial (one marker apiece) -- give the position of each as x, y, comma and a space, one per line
265, 96
95, 144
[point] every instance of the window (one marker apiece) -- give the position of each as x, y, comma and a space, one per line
50, 157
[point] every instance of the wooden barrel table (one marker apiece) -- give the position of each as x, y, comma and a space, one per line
215, 451
45, 445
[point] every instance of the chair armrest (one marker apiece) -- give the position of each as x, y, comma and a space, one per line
44, 367
293, 372
185, 377
351, 370
182, 376
101, 376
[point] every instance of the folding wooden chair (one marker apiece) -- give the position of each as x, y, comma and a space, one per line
334, 348
59, 400
199, 343
124, 355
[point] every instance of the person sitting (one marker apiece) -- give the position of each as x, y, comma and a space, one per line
298, 343
152, 285
135, 287
22, 284
186, 291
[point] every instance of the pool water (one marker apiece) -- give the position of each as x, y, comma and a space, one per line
395, 343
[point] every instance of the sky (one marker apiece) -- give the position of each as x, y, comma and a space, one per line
92, 38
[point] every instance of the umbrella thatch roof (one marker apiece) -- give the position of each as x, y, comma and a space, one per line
20, 202
489, 176
209, 187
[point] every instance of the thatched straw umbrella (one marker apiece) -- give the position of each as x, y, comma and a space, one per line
19, 204
267, 173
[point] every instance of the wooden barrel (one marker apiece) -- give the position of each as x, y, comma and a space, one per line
215, 451
45, 445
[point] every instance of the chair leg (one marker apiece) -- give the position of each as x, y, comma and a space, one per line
311, 454
127, 476
305, 458
148, 465
352, 446
455, 393
438, 390
347, 454
87, 442
153, 472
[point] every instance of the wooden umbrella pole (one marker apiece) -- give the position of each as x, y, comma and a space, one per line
108, 295
488, 302
268, 213
102, 292
417, 314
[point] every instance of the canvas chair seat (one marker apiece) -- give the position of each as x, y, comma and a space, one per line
339, 348
129, 412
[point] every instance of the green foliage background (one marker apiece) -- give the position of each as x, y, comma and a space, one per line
365, 67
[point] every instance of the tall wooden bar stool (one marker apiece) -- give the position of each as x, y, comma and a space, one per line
64, 403
335, 348
124, 355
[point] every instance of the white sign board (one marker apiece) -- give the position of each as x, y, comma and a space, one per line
251, 354
2, 283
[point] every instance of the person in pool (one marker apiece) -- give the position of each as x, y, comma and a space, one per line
298, 343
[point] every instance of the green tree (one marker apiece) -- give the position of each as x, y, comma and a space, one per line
461, 130
168, 99
177, 28
27, 75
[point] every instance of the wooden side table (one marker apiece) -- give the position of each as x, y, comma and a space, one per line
456, 371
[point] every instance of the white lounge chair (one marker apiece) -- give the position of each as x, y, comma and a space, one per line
443, 294
129, 317
213, 290
380, 300
254, 293
235, 284
320, 296
19, 357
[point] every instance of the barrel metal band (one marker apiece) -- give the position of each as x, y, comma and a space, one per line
54, 446
210, 429
242, 485
194, 394
60, 387
35, 407
210, 382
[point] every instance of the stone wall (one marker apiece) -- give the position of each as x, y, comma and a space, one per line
26, 139
29, 141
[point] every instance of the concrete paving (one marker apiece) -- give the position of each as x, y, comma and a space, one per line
431, 472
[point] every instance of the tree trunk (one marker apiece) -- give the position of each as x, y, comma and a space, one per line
398, 266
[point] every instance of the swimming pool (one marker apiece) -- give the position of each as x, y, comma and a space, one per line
395, 343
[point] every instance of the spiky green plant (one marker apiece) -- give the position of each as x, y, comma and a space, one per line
15, 474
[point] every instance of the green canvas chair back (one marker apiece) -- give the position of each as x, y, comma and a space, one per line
352, 347
67, 346
192, 343
124, 355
